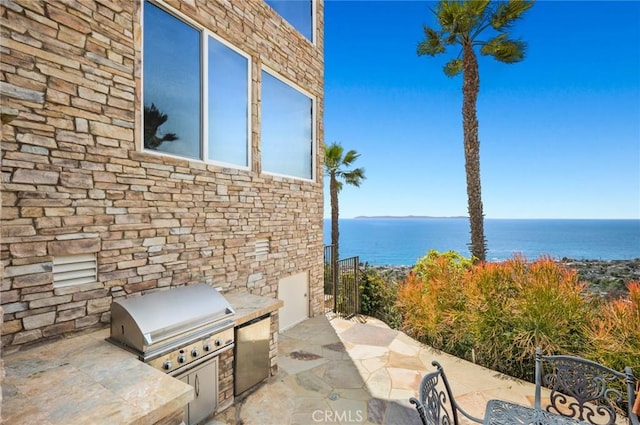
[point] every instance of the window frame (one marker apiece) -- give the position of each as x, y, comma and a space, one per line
205, 33
314, 112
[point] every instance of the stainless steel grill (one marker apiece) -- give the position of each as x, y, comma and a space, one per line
182, 332
159, 323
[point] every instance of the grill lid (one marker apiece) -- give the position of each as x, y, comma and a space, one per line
145, 321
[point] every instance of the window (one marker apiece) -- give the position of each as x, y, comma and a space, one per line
196, 92
228, 105
287, 129
172, 84
298, 13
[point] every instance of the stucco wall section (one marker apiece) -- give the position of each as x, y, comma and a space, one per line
74, 179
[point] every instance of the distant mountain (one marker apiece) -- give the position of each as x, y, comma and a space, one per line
405, 216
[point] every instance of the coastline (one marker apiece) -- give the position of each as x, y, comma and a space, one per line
603, 276
609, 277
399, 241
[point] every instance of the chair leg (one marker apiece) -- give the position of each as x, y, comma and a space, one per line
419, 408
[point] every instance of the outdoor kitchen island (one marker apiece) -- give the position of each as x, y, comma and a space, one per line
87, 380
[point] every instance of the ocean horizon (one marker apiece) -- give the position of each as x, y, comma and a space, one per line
401, 241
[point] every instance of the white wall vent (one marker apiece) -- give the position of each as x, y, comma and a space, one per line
262, 247
74, 270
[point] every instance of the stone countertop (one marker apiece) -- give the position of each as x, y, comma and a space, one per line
249, 307
87, 380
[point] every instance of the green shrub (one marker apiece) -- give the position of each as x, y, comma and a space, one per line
433, 303
435, 263
495, 313
498, 313
516, 306
378, 295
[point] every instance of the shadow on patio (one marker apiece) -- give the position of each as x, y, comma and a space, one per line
355, 372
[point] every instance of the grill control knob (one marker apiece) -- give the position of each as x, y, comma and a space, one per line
218, 342
207, 347
195, 352
181, 358
167, 365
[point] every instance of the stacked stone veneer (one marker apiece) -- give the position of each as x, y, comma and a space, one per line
75, 179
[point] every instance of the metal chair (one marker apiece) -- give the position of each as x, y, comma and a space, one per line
436, 405
584, 389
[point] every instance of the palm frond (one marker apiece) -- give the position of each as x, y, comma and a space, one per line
477, 12
463, 21
453, 67
451, 39
507, 13
153, 120
461, 17
350, 157
169, 137
354, 177
432, 44
333, 156
336, 165
504, 50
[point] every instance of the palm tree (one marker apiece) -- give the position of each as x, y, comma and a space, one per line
153, 119
336, 166
462, 23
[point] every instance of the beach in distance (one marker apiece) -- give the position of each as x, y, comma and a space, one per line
401, 241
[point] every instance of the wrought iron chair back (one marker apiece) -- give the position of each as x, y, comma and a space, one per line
436, 405
583, 389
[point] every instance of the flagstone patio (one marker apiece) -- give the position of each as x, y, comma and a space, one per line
337, 371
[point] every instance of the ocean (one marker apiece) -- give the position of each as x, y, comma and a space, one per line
402, 241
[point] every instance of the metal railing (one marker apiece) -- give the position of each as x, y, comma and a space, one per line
329, 279
341, 284
348, 293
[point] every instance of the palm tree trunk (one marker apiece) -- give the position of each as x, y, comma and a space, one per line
335, 232
470, 89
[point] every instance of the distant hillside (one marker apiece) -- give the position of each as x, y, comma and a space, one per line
405, 216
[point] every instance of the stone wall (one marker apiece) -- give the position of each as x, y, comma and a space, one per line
75, 180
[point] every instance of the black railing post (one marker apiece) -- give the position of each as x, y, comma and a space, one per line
343, 277
335, 277
355, 288
330, 277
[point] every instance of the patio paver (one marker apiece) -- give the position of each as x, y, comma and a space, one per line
344, 372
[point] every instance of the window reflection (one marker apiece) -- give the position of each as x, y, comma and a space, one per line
153, 120
228, 104
171, 84
286, 129
298, 13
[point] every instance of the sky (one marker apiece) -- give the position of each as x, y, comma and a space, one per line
559, 132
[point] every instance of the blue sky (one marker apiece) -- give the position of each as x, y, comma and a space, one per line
559, 131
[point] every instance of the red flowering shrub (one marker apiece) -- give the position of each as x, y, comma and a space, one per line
614, 332
497, 313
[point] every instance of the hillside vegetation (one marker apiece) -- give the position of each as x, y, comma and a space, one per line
496, 314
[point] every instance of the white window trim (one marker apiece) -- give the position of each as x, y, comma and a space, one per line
205, 33
314, 109
314, 22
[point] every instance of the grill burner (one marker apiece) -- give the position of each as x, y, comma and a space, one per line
175, 328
